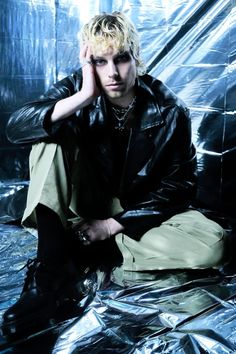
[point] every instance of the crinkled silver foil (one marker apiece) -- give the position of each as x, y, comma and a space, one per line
190, 45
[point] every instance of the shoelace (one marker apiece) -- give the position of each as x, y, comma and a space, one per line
27, 264
31, 266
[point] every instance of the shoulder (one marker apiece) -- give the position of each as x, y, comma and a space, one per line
66, 86
164, 96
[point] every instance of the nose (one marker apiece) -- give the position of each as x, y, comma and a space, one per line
112, 70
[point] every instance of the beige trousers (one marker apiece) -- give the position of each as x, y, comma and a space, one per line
187, 240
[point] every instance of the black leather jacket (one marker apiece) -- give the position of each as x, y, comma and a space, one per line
159, 172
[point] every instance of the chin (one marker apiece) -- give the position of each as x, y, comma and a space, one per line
116, 94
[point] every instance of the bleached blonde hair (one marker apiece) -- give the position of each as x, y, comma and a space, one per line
113, 30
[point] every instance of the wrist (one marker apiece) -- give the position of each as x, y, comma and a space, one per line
114, 226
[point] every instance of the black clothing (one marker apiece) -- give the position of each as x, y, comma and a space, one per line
50, 293
52, 245
158, 177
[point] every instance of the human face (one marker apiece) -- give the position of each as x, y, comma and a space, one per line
116, 72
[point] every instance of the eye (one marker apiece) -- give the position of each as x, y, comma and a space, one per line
123, 58
99, 61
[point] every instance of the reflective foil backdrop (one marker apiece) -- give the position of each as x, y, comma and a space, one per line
191, 46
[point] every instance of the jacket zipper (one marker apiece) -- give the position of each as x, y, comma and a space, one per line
125, 162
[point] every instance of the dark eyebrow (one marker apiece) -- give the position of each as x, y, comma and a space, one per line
97, 57
122, 53
115, 56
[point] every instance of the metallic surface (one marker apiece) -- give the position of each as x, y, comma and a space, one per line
190, 45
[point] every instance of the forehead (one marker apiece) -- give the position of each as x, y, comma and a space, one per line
108, 52
107, 42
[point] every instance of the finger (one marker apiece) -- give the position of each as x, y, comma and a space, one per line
88, 54
86, 240
84, 227
85, 62
83, 237
86, 243
85, 55
78, 224
83, 52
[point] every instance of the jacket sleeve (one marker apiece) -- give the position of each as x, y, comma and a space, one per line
32, 121
175, 189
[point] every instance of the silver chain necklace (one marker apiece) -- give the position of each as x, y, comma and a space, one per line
121, 113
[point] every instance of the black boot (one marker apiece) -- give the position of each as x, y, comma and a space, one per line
46, 290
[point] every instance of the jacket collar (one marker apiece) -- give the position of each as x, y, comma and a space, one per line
150, 114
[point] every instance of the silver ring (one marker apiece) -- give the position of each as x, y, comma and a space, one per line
82, 236
85, 62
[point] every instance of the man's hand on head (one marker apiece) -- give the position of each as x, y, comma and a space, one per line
89, 86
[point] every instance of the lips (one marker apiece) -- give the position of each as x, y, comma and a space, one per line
114, 85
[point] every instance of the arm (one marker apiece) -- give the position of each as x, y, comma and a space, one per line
41, 118
89, 90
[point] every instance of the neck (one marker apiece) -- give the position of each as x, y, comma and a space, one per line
122, 115
122, 101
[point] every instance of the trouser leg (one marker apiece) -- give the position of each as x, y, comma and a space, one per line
49, 196
51, 166
52, 279
55, 172
186, 241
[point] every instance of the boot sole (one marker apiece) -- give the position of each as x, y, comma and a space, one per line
34, 322
38, 320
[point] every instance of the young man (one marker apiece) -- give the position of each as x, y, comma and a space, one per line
111, 146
